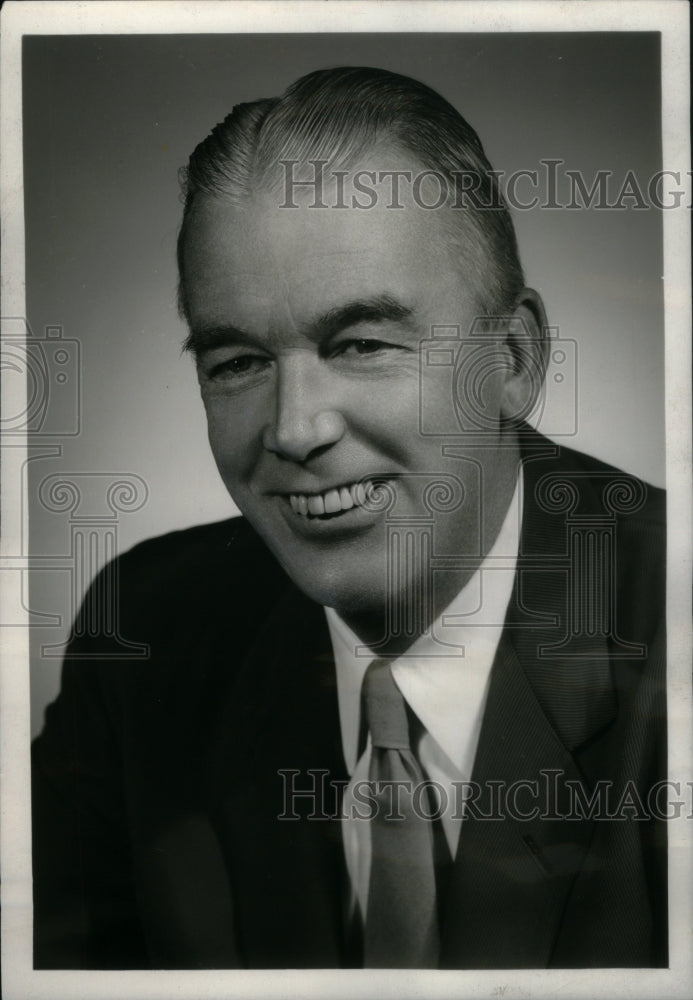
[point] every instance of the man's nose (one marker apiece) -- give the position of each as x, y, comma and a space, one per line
306, 419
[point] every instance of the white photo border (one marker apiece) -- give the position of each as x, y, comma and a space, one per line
257, 16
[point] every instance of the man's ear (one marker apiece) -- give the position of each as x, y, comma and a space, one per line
528, 340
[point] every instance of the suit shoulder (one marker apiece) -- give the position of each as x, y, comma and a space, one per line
632, 500
195, 569
196, 534
637, 510
202, 541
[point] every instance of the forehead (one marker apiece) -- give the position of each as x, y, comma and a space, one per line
261, 262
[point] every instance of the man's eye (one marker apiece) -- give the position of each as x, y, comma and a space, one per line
361, 346
244, 364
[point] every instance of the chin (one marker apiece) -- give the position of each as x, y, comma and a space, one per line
349, 593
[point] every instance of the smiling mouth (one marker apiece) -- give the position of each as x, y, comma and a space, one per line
332, 502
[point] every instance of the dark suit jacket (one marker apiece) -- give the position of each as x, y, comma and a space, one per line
158, 781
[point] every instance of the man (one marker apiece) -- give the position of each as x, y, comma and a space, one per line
407, 711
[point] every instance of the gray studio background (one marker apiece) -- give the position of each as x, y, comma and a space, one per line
107, 123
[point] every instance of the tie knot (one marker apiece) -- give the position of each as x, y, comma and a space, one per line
385, 708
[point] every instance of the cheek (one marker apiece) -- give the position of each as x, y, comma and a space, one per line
235, 436
478, 388
390, 424
388, 406
435, 406
461, 385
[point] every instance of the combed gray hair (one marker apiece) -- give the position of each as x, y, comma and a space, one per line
339, 115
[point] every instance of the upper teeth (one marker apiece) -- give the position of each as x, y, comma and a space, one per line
330, 502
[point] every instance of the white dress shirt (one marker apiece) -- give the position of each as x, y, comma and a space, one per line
444, 677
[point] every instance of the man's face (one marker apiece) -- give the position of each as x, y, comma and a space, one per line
308, 325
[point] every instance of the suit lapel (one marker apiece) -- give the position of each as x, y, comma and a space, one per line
513, 873
565, 656
281, 739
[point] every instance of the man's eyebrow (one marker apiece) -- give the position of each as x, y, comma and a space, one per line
378, 309
208, 338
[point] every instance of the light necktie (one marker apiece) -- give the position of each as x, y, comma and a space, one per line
401, 919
